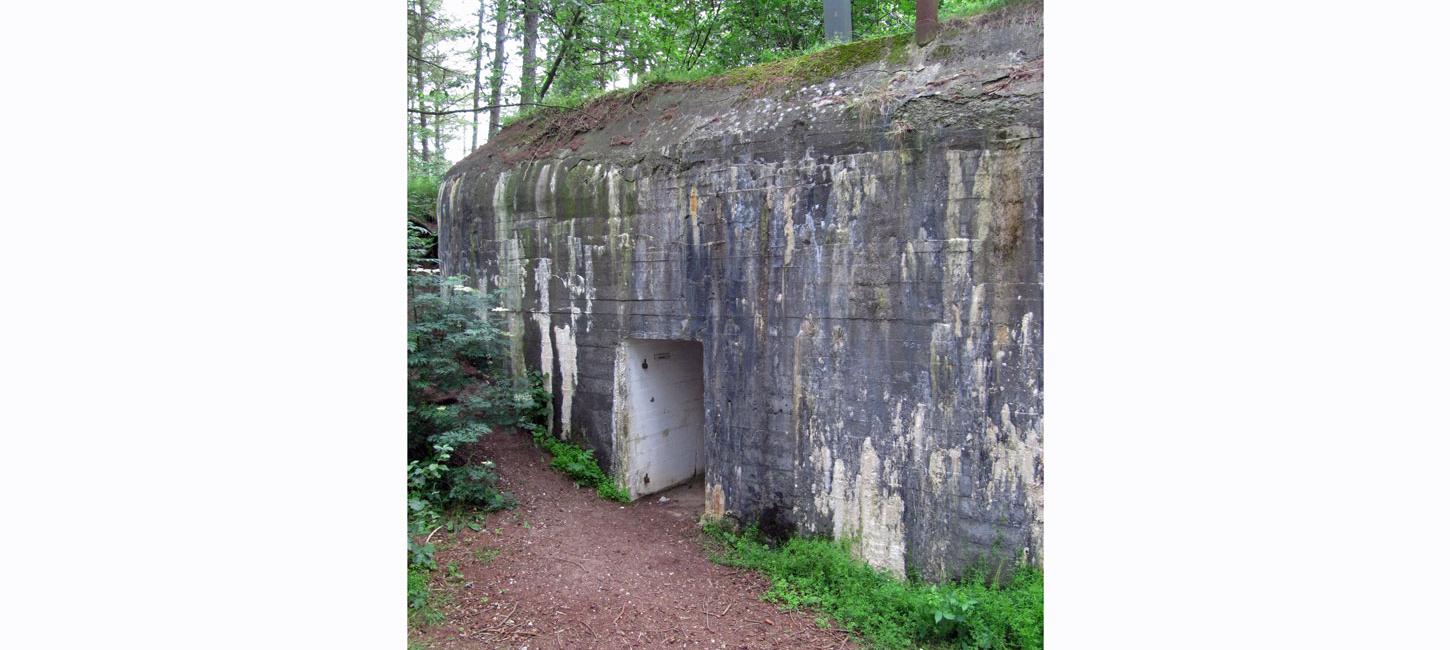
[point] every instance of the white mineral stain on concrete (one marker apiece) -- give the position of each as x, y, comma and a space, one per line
568, 375
867, 509
543, 189
943, 468
982, 192
1014, 468
510, 279
787, 206
957, 193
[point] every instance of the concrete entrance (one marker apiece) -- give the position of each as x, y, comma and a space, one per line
663, 441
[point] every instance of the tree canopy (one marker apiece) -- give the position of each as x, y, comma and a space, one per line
558, 52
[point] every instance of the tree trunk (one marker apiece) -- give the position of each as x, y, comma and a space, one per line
564, 44
927, 24
415, 77
495, 82
477, 73
421, 33
837, 20
531, 42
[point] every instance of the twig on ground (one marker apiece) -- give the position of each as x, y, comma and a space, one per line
507, 632
564, 559
506, 617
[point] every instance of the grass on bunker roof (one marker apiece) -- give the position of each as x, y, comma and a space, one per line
804, 68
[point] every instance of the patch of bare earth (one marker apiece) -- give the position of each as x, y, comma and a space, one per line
566, 569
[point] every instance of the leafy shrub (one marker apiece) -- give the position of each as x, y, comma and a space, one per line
891, 613
423, 196
456, 390
454, 393
420, 555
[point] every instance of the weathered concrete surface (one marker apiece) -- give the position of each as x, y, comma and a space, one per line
861, 259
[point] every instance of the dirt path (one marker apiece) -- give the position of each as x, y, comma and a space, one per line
567, 569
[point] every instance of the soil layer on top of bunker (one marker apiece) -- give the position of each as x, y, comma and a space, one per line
566, 569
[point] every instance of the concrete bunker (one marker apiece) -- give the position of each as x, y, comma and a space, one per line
851, 253
659, 400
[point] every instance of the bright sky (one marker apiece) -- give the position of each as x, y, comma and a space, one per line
460, 58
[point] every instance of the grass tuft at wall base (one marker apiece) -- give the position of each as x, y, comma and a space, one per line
822, 575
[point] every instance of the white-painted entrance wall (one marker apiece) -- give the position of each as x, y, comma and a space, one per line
665, 444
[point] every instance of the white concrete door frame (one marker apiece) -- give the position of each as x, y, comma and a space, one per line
659, 413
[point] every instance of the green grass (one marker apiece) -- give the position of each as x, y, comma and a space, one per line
422, 602
818, 64
967, 8
822, 575
485, 554
578, 463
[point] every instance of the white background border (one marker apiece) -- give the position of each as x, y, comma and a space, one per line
204, 404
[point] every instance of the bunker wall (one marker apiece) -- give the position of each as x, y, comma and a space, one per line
861, 259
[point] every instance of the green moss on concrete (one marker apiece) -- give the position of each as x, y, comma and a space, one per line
819, 66
898, 49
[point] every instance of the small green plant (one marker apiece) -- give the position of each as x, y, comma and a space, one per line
612, 491
422, 608
823, 575
456, 521
485, 555
574, 461
420, 555
955, 619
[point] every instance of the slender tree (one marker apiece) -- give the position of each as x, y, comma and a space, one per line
495, 80
531, 43
564, 44
477, 70
420, 34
